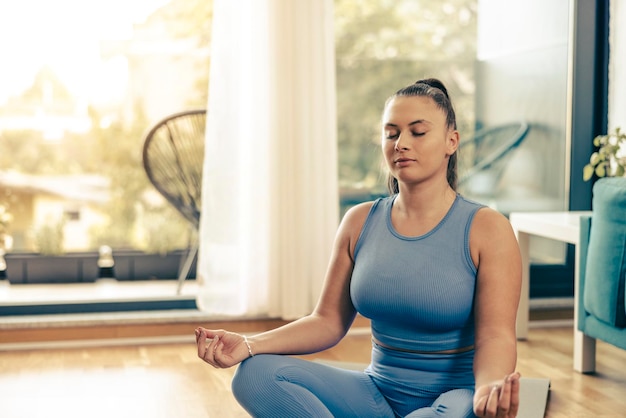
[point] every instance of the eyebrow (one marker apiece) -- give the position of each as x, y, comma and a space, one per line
415, 122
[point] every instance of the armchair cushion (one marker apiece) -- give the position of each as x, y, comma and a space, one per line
605, 271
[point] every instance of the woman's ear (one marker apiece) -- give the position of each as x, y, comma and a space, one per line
453, 141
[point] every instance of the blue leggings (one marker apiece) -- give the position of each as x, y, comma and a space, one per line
282, 386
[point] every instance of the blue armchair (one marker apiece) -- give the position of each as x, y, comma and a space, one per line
602, 282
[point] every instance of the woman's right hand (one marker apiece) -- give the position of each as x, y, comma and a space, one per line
219, 348
499, 399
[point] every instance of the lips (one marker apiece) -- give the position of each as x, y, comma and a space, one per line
403, 160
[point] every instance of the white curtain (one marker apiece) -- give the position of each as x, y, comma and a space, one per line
270, 195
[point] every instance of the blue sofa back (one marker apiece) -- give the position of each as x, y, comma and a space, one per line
605, 272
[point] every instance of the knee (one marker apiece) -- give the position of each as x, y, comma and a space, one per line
457, 403
253, 373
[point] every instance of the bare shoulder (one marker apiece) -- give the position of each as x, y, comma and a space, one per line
490, 220
358, 213
352, 224
354, 219
491, 231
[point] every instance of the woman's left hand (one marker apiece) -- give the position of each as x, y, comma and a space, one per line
219, 348
499, 399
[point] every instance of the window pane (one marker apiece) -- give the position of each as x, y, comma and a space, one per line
382, 46
85, 82
507, 80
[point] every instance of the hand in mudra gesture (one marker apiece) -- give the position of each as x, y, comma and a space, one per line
499, 399
221, 349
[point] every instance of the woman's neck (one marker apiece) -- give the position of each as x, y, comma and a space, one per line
414, 213
422, 200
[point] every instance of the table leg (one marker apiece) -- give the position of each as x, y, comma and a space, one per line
584, 353
524, 306
584, 346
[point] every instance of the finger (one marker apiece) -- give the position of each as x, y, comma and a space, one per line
504, 401
217, 354
491, 409
505, 391
209, 354
200, 341
202, 330
481, 406
205, 348
515, 387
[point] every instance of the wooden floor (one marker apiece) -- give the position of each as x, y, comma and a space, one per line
168, 380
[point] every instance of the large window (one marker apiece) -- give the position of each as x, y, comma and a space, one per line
87, 81
508, 66
82, 82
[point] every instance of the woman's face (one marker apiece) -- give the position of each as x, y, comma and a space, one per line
416, 141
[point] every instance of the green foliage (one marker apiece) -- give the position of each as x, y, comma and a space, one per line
46, 86
610, 158
5, 219
166, 230
49, 237
118, 149
192, 19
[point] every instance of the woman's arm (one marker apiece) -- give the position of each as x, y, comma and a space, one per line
496, 254
323, 328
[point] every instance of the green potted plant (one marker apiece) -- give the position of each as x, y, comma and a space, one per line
610, 158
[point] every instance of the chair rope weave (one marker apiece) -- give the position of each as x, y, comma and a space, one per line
173, 157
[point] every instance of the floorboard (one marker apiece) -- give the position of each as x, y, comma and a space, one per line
168, 380
144, 364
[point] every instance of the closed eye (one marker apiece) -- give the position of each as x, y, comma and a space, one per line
392, 135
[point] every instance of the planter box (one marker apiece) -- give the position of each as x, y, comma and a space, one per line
83, 267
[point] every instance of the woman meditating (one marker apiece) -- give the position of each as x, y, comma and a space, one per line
438, 276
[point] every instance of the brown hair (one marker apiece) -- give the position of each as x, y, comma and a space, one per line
433, 88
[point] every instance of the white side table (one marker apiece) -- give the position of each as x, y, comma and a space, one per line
564, 227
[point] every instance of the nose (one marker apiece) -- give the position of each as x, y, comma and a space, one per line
402, 143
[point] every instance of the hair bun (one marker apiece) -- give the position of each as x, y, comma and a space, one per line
433, 82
